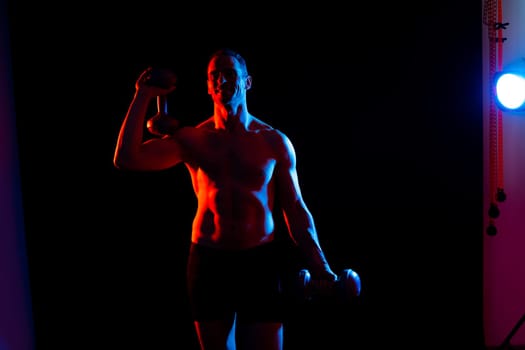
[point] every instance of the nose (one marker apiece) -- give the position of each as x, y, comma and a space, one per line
222, 78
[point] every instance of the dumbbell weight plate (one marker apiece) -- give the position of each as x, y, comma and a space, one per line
350, 283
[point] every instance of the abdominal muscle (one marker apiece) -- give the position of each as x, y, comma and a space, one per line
232, 220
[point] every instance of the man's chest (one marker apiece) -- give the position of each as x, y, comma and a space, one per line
248, 158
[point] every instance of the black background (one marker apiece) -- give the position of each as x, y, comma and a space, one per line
382, 102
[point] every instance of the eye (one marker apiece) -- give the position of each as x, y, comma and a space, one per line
229, 74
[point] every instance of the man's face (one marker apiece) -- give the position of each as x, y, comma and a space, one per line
226, 81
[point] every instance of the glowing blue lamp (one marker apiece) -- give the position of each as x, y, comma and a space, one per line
510, 91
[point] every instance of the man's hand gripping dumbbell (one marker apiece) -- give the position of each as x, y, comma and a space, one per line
345, 288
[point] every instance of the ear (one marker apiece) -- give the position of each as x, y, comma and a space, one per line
248, 82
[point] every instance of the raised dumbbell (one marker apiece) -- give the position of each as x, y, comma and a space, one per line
346, 287
162, 123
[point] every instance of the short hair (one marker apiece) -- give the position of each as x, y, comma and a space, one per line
231, 53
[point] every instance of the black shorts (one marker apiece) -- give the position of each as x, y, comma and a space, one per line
247, 282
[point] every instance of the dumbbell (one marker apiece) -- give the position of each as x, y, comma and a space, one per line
160, 77
346, 287
162, 123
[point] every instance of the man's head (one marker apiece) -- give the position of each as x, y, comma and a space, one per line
227, 76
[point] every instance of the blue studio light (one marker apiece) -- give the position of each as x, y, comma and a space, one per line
510, 91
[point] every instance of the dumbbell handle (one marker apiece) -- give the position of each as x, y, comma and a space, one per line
162, 105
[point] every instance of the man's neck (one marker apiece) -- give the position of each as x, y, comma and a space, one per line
228, 118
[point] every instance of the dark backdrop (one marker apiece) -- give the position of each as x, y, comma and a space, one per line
382, 102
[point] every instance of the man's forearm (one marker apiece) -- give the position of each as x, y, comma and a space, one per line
131, 131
